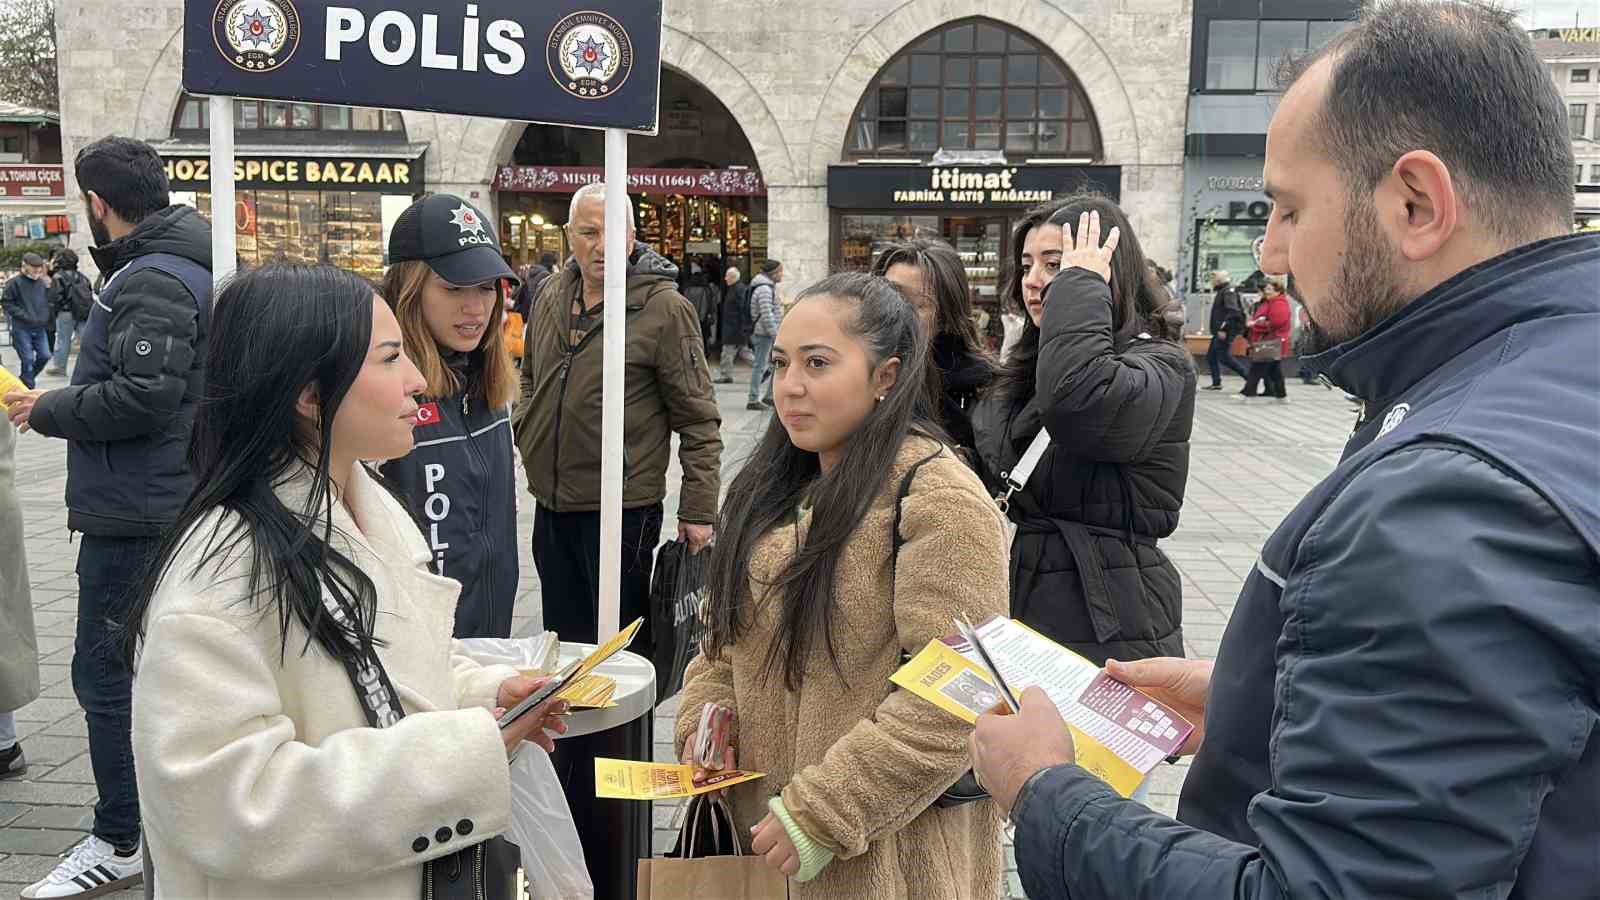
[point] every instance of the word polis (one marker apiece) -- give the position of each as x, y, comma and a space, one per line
972, 187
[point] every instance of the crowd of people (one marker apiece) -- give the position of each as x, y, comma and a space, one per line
296, 494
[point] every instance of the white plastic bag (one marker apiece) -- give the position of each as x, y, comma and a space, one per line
540, 652
542, 828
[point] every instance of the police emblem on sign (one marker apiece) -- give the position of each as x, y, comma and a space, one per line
589, 54
256, 35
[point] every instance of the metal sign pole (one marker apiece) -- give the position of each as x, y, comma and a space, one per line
224, 238
614, 345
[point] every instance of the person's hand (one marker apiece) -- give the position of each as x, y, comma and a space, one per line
1008, 749
1082, 248
701, 773
698, 537
1181, 684
19, 407
532, 725
770, 841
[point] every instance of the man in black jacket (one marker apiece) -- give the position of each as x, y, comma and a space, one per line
26, 299
1227, 323
1405, 703
734, 322
127, 416
71, 299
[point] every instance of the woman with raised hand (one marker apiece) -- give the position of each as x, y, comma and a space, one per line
851, 537
1101, 367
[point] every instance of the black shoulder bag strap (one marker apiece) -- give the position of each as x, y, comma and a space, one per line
966, 789
485, 870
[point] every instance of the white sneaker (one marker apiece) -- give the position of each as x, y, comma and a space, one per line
91, 869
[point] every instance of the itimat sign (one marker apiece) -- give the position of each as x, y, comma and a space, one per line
896, 187
568, 62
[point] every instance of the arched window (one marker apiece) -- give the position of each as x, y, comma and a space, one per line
194, 114
975, 85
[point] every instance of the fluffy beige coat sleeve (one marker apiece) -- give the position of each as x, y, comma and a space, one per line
889, 768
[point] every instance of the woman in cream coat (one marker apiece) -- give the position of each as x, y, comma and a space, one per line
258, 773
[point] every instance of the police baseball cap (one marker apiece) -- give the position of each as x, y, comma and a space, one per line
453, 237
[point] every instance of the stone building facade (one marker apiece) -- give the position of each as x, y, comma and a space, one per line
792, 77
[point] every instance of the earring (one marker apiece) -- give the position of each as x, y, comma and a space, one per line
880, 397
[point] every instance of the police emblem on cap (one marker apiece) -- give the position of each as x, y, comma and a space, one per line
142, 348
589, 54
256, 35
471, 224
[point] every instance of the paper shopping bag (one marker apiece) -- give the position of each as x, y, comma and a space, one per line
712, 878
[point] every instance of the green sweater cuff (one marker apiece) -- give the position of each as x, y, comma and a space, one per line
813, 856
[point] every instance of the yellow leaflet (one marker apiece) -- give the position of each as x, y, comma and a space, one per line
621, 779
592, 691
9, 382
957, 685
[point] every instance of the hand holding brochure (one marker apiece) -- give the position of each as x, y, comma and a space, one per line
1119, 733
574, 673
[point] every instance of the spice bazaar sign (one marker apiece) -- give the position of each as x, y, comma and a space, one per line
568, 179
304, 172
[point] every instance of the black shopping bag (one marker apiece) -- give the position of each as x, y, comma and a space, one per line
677, 592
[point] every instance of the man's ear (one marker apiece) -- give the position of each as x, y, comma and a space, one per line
1420, 203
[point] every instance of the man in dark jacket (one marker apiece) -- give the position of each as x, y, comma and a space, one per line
71, 298
1405, 702
1227, 323
127, 417
26, 299
557, 425
735, 322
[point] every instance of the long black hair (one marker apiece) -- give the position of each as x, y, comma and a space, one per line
945, 279
769, 489
1139, 303
275, 330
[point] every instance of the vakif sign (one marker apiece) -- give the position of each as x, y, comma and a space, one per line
594, 64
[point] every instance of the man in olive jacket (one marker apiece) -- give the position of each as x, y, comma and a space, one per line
668, 389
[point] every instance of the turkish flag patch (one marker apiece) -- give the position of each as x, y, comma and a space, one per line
428, 414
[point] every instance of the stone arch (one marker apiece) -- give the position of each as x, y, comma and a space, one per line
698, 61
1053, 27
161, 93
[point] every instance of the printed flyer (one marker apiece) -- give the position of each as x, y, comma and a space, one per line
622, 779
1119, 733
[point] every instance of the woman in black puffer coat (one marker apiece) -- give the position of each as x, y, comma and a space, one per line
1102, 368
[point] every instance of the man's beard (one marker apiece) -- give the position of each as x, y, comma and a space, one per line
1365, 290
97, 230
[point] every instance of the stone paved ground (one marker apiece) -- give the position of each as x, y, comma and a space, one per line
1249, 464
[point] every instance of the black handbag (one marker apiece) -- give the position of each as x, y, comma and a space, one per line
677, 619
708, 829
486, 870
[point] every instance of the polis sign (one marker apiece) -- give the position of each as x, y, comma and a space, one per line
392, 176
568, 62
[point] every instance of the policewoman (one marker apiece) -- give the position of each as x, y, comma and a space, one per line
447, 282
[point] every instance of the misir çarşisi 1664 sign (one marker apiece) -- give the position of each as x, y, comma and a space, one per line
571, 62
